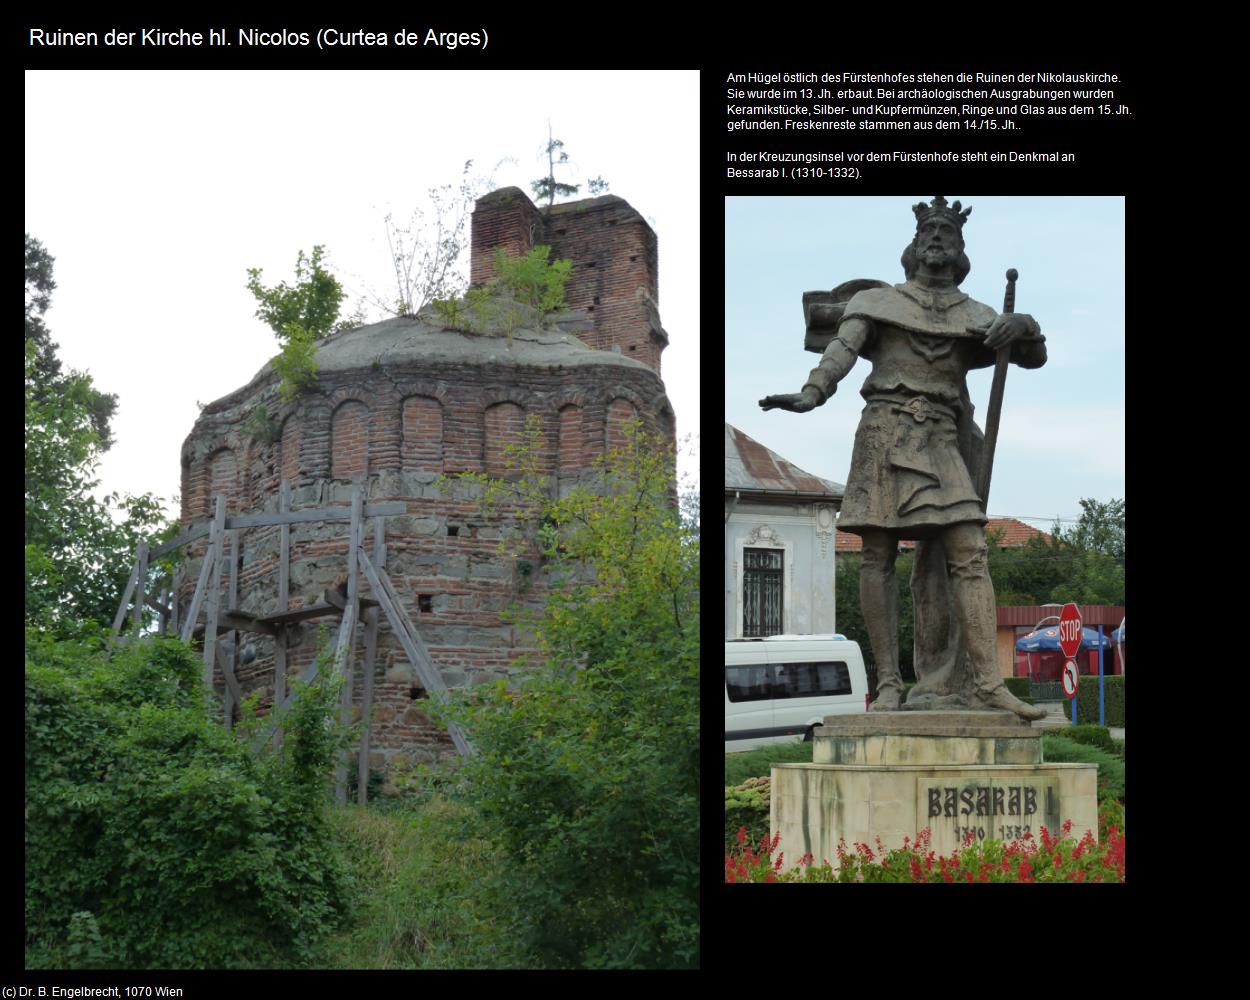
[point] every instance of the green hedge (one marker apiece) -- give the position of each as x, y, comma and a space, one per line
154, 837
1020, 687
1094, 736
1087, 700
1057, 749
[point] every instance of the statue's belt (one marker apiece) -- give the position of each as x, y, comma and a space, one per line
921, 408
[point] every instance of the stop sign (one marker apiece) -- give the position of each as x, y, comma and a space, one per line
1069, 630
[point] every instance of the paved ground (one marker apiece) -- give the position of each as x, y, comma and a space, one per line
1061, 715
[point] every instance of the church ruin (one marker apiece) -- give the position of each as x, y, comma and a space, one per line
397, 405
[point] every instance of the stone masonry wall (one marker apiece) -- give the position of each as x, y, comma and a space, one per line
396, 428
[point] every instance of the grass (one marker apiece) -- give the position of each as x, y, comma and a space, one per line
420, 902
757, 763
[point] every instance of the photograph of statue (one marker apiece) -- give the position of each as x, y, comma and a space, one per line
920, 468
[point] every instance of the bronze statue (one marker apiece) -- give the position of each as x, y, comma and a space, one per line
912, 469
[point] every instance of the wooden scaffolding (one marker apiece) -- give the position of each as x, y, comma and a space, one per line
224, 533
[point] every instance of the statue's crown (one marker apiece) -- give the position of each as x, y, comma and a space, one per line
939, 207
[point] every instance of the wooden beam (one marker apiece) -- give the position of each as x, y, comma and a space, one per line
296, 615
284, 578
336, 598
217, 541
227, 670
198, 531
200, 588
418, 656
371, 649
352, 611
125, 603
232, 601
235, 619
141, 580
161, 609
183, 538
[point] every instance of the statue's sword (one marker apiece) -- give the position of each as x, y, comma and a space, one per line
996, 400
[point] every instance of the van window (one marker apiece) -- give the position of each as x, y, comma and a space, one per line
749, 683
759, 682
806, 680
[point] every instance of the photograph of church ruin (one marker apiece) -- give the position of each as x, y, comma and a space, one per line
396, 406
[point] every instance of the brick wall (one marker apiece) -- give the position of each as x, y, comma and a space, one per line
615, 263
392, 427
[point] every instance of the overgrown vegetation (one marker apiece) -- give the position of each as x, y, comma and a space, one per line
548, 188
426, 251
154, 837
419, 900
529, 287
587, 771
299, 315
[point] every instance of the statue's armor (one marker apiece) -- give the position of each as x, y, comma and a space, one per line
909, 474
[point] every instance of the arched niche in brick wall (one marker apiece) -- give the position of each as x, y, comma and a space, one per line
504, 425
349, 440
222, 480
621, 412
572, 449
422, 434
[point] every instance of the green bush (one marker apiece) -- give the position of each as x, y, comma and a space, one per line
1094, 736
747, 806
1056, 748
154, 838
1020, 687
1087, 699
587, 775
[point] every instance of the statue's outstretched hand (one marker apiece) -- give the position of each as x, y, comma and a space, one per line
797, 402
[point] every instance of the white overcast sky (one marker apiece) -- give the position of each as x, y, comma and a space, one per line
155, 191
1061, 435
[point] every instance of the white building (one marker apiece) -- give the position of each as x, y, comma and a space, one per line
779, 543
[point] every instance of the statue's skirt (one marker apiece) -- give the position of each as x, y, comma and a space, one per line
907, 474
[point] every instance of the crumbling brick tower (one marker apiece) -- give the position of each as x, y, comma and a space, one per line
400, 403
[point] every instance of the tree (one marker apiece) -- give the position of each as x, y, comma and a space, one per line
1083, 564
546, 188
155, 838
46, 374
78, 550
1099, 529
300, 315
588, 768
425, 253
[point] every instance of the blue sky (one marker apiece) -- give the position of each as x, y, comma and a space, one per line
1062, 430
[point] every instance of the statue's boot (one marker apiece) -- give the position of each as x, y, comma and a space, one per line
1002, 699
974, 601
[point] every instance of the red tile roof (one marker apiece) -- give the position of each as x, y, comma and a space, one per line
1012, 534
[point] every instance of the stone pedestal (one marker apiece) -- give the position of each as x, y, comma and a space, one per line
889, 775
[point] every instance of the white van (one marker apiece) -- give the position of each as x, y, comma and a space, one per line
779, 688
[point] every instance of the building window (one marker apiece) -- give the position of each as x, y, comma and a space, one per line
761, 592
